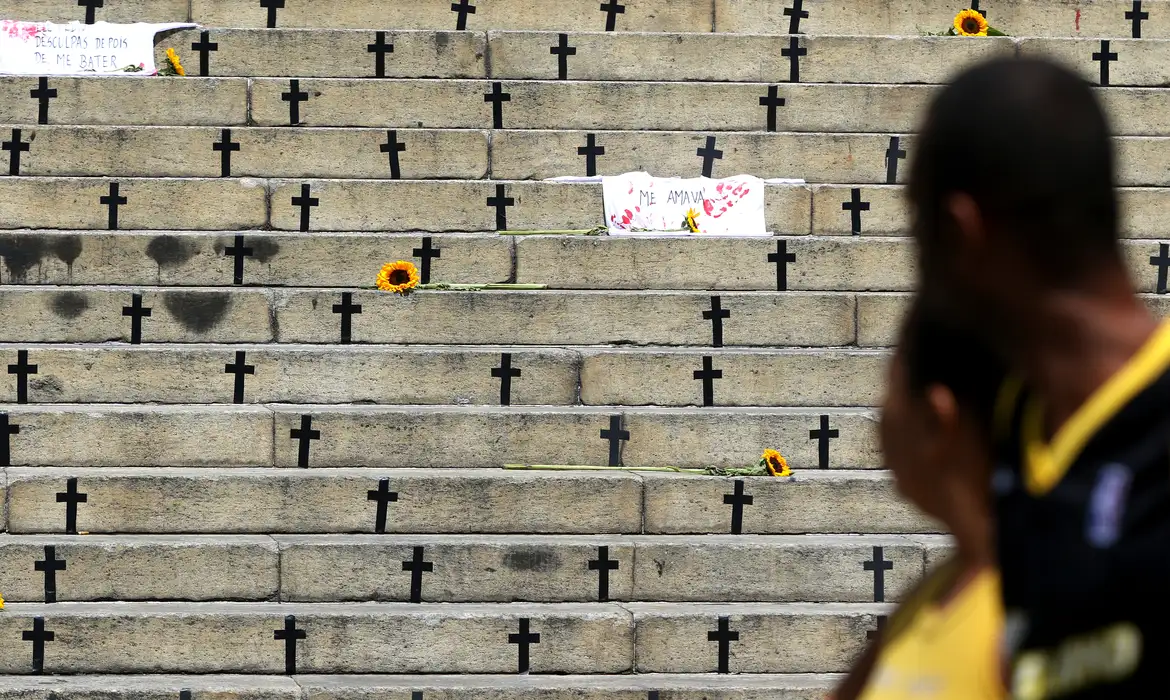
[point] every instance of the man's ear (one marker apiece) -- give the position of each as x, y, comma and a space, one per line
944, 409
967, 217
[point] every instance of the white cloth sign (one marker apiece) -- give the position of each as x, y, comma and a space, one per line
637, 204
45, 48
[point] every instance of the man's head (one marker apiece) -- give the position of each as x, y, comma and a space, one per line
1011, 189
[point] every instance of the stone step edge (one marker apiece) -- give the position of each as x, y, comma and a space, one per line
814, 540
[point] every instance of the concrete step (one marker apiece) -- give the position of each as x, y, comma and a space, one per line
117, 101
447, 501
121, 11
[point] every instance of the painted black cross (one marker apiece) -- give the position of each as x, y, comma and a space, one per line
272, 6
50, 565
603, 565
225, 146
501, 203
1136, 15
612, 8
893, 154
881, 624
590, 150
794, 52
1104, 57
22, 369
1160, 261
737, 501
709, 155
136, 311
772, 101
380, 48
239, 368
416, 566
497, 97
392, 148
7, 430
975, 6
384, 496
294, 97
113, 201
38, 635
43, 94
823, 435
239, 252
780, 259
505, 372
205, 46
290, 634
795, 14
70, 497
715, 315
879, 567
305, 435
708, 375
185, 694
347, 309
90, 6
464, 8
16, 146
523, 639
725, 636
855, 206
562, 51
615, 435
306, 203
425, 254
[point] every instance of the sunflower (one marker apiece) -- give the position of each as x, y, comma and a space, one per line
398, 277
970, 23
775, 463
173, 58
692, 220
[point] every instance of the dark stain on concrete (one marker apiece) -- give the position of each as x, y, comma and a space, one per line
69, 304
541, 559
67, 248
263, 249
198, 312
170, 250
21, 252
46, 387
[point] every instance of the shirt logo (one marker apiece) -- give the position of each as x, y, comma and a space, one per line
1107, 505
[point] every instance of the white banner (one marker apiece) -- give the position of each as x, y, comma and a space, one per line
45, 48
637, 204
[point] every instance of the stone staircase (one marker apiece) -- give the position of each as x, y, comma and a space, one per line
234, 471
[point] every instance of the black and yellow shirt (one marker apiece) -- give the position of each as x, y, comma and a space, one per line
1083, 537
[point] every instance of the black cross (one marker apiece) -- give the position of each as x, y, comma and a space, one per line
1136, 15
603, 565
653, 695
893, 154
781, 258
380, 48
416, 695
70, 497
290, 634
6, 430
725, 636
305, 435
113, 200
737, 501
772, 101
497, 97
90, 6
205, 47
794, 52
16, 146
417, 567
505, 372
708, 375
562, 51
501, 203
50, 565
347, 309
239, 252
612, 9
590, 150
294, 97
975, 6
239, 368
615, 435
855, 206
464, 8
879, 567
272, 6
38, 636
424, 254
393, 148
185, 694
823, 435
881, 624
1104, 56
43, 94
22, 369
306, 203
709, 155
1161, 261
523, 639
136, 311
225, 146
384, 496
796, 13
715, 315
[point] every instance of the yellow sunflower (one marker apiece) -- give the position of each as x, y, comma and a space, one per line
775, 463
173, 58
970, 23
692, 220
399, 277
